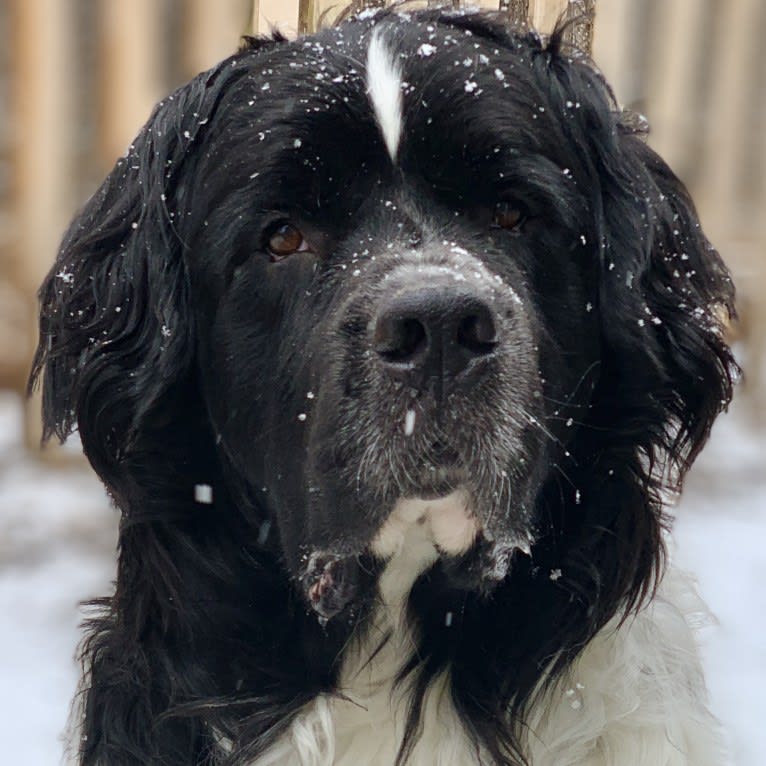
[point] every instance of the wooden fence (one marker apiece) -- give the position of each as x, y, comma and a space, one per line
696, 69
78, 77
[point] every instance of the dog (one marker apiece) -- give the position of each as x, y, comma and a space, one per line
390, 343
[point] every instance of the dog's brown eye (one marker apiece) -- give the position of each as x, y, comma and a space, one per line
285, 239
508, 216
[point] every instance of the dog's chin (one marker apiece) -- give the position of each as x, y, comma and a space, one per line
433, 521
438, 514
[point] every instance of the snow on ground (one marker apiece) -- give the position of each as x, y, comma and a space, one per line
721, 536
57, 538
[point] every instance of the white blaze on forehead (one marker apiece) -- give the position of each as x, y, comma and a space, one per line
384, 88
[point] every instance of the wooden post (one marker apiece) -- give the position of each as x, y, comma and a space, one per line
613, 47
211, 31
43, 111
737, 52
545, 13
674, 64
132, 82
42, 84
732, 213
282, 14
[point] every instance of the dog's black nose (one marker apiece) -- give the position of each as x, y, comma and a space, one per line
433, 332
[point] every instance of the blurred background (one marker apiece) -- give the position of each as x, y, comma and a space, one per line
77, 80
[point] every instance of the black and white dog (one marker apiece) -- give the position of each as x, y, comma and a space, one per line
389, 342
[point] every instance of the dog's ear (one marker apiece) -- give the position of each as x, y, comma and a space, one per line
665, 294
117, 361
666, 297
665, 370
113, 326
116, 332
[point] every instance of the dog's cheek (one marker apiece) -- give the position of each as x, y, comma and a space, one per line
233, 360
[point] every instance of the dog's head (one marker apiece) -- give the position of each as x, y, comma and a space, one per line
413, 256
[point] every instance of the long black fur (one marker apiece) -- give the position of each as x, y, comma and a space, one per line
207, 634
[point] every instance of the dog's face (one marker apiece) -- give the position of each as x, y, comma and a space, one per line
413, 257
416, 268
394, 281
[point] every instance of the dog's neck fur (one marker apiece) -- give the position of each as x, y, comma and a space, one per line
636, 694
366, 722
375, 708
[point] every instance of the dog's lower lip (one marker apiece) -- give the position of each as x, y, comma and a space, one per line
443, 455
438, 481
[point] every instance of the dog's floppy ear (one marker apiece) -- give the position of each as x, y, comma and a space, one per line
666, 297
115, 328
665, 370
665, 293
117, 361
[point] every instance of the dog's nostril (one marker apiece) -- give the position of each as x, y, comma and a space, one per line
477, 334
434, 332
399, 339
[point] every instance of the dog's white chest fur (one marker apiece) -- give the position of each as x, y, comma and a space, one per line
635, 697
366, 725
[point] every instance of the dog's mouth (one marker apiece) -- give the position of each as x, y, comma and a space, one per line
436, 483
436, 519
438, 524
440, 474
448, 494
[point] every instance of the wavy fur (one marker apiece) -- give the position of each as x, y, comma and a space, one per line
207, 638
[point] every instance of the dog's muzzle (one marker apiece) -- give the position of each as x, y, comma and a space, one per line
438, 362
